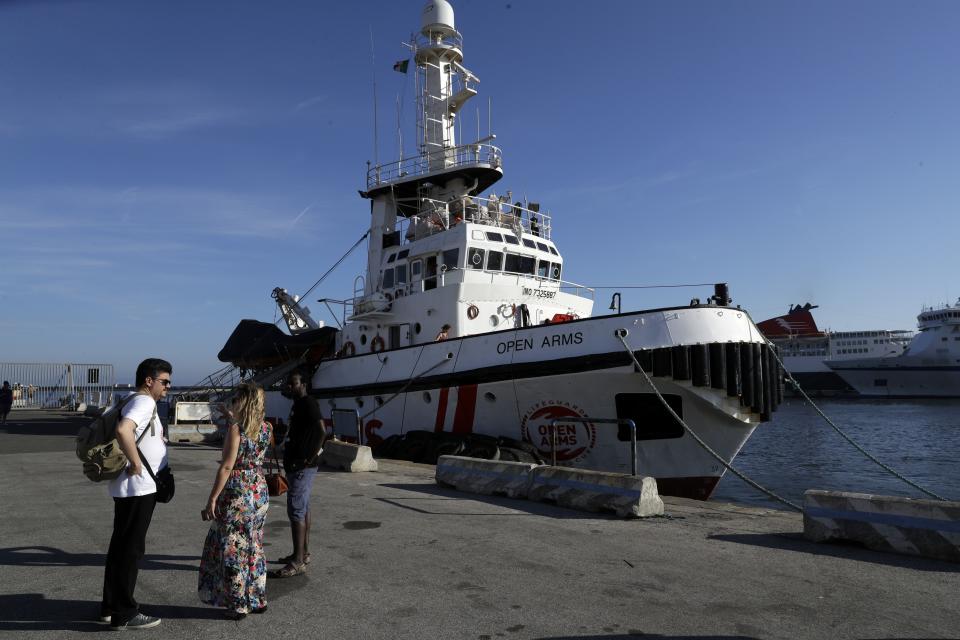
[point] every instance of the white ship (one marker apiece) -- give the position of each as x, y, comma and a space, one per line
522, 348
928, 368
805, 350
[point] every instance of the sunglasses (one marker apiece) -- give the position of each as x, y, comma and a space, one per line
165, 383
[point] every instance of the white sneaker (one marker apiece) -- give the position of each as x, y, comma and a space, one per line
137, 622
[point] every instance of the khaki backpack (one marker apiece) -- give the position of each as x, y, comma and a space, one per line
97, 445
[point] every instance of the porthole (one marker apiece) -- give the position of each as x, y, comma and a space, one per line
363, 338
490, 397
417, 328
426, 397
494, 320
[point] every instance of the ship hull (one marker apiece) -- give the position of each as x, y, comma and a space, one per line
515, 383
902, 381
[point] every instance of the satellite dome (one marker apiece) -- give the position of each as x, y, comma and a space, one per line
437, 17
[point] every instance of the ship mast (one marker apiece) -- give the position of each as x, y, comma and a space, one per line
444, 84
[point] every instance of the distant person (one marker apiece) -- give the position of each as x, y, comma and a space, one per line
444, 333
134, 496
233, 571
300, 453
6, 401
534, 226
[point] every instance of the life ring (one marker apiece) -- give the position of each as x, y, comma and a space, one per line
473, 311
508, 310
377, 344
347, 349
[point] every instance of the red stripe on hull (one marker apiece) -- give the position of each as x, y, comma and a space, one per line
466, 409
442, 409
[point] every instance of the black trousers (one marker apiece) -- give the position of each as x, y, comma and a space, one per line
131, 519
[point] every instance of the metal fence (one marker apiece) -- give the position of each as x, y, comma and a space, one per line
46, 386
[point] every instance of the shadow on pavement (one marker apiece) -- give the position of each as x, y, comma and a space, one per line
846, 550
53, 557
432, 505
639, 635
34, 612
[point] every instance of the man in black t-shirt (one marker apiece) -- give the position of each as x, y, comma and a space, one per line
300, 452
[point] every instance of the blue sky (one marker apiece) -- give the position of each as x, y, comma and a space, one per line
164, 165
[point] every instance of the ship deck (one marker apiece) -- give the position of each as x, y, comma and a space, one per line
396, 556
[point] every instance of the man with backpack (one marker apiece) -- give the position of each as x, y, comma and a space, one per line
140, 435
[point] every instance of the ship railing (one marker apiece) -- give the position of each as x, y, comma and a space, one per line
465, 155
437, 216
526, 279
586, 420
438, 39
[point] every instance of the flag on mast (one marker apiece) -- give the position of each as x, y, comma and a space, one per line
401, 66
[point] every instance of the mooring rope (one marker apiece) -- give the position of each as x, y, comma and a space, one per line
403, 388
796, 385
621, 334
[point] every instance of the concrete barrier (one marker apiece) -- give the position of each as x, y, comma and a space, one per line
628, 496
928, 528
347, 456
194, 433
486, 477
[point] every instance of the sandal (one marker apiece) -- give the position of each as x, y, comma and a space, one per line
289, 559
290, 570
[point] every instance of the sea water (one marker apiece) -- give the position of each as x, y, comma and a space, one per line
798, 450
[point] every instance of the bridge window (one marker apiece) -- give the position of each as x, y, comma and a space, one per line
494, 261
451, 258
387, 278
494, 237
554, 251
474, 258
520, 264
510, 239
543, 269
543, 247
527, 242
401, 274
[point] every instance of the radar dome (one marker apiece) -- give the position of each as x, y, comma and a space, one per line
437, 16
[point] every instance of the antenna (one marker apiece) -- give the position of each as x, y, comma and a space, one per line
399, 132
478, 123
373, 65
489, 116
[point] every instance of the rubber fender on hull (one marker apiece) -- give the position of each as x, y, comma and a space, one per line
748, 371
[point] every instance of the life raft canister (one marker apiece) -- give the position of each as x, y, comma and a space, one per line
473, 311
377, 344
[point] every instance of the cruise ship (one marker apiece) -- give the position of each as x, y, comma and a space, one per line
806, 350
928, 368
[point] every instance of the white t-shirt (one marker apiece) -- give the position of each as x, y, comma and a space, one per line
154, 449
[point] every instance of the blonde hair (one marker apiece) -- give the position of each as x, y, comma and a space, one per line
248, 408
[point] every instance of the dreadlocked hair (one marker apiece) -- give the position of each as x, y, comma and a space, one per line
248, 408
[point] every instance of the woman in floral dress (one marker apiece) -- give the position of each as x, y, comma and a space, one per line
233, 572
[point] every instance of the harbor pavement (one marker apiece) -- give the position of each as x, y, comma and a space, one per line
396, 556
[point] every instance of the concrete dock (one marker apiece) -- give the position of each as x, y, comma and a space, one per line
396, 556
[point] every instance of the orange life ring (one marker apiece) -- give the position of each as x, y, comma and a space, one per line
472, 311
377, 344
347, 349
508, 310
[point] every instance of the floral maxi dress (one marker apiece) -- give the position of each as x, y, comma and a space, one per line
233, 571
